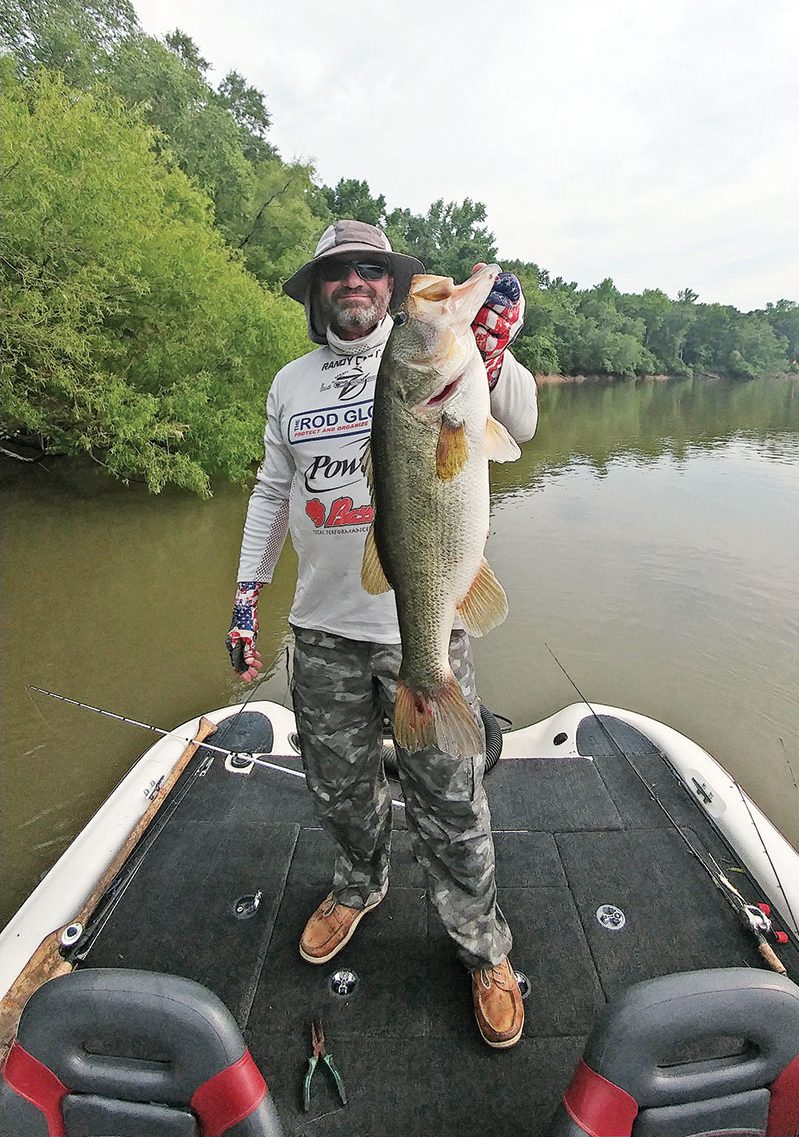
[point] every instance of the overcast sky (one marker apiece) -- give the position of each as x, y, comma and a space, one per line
653, 141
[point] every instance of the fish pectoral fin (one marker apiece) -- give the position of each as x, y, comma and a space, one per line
439, 718
373, 577
452, 451
499, 445
485, 604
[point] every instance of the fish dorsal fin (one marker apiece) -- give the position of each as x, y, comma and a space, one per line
499, 446
452, 451
373, 577
368, 469
485, 604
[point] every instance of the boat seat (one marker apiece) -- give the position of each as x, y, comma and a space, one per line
705, 1053
101, 1051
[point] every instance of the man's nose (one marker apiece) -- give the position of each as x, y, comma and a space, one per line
351, 278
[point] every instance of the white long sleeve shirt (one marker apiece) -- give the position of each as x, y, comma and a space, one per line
319, 413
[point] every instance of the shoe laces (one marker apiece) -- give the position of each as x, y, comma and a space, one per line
497, 975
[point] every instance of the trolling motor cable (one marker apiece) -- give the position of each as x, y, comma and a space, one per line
753, 918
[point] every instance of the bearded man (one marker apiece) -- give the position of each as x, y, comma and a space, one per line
346, 642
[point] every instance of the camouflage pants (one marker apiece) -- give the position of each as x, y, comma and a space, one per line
341, 689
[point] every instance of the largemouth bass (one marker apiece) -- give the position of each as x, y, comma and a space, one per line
427, 465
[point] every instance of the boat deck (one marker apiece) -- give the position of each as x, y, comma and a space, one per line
571, 834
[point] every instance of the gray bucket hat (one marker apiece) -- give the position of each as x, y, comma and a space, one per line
343, 238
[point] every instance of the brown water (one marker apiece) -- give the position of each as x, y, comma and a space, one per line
648, 534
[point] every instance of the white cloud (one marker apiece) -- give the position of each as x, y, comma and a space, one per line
654, 143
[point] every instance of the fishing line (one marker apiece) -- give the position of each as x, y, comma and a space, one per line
788, 764
765, 849
719, 880
257, 757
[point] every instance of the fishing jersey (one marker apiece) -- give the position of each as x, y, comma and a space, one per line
319, 417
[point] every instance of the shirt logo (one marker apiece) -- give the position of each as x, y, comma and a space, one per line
342, 513
337, 422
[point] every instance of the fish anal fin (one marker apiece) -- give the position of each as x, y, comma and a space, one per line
499, 446
367, 467
485, 604
452, 451
373, 576
441, 718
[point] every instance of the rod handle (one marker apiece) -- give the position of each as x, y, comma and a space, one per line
771, 958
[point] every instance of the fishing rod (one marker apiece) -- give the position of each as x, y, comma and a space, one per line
753, 918
241, 757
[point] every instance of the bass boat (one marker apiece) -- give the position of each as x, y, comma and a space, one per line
151, 984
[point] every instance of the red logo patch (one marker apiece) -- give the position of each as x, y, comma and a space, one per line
316, 511
342, 512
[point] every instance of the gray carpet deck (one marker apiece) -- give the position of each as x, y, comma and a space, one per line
570, 834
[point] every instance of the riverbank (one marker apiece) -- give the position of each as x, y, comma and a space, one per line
553, 378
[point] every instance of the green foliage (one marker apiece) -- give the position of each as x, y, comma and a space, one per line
130, 333
449, 239
353, 200
284, 225
67, 35
150, 223
784, 320
168, 87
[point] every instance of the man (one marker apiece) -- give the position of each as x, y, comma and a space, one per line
347, 645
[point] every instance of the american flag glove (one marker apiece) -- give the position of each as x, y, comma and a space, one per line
498, 323
240, 640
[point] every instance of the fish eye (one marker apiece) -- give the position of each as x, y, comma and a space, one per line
400, 319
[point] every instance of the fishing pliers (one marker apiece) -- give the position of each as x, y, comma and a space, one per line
318, 1044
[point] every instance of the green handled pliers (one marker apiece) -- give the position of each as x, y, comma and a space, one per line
318, 1043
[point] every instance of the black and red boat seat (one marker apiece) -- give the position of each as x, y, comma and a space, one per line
102, 1051
704, 1052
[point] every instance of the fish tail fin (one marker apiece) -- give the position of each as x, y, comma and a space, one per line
441, 718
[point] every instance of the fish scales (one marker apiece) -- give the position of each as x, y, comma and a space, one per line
431, 438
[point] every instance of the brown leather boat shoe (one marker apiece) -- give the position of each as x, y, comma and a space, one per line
498, 1005
330, 928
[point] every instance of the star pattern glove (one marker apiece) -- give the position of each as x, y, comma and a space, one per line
498, 323
240, 640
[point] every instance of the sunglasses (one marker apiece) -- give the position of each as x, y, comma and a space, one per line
337, 270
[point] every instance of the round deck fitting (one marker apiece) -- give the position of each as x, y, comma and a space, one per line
343, 983
611, 917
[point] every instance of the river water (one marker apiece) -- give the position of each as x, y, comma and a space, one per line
648, 535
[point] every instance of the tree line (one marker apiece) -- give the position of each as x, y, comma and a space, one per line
149, 224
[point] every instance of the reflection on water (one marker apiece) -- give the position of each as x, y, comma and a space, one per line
647, 534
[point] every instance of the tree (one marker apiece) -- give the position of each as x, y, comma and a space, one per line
169, 90
353, 199
130, 335
285, 224
666, 324
248, 107
784, 319
66, 35
450, 239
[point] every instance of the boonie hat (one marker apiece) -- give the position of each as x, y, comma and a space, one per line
341, 239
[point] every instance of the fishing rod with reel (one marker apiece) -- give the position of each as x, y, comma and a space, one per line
755, 918
236, 761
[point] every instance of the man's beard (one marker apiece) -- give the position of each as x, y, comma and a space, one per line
355, 317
